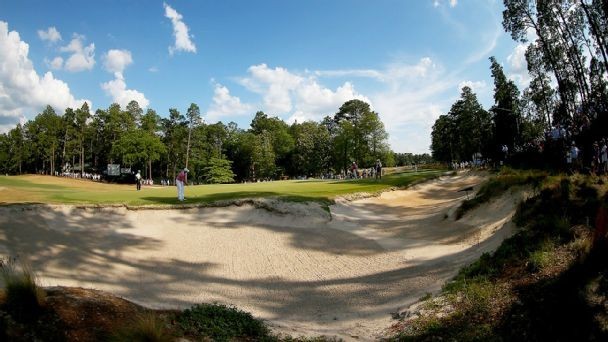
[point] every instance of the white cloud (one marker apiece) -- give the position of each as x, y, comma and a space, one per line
225, 105
82, 58
298, 95
519, 66
314, 101
153, 69
117, 88
51, 34
22, 90
116, 61
183, 40
55, 64
451, 3
409, 99
476, 86
275, 85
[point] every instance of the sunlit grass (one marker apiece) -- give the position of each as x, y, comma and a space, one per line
57, 190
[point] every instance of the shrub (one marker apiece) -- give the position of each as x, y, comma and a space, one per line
222, 323
146, 327
23, 297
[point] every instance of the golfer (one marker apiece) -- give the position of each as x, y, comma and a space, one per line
138, 180
180, 181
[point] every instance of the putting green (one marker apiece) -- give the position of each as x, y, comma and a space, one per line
58, 190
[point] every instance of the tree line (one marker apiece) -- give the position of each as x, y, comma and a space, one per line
567, 61
80, 141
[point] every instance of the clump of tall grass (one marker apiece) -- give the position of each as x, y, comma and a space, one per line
23, 297
145, 327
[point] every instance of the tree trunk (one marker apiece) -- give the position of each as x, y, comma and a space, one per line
549, 54
81, 158
595, 31
188, 147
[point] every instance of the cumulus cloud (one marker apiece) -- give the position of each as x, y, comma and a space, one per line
518, 65
82, 57
117, 88
452, 3
116, 61
225, 105
314, 101
476, 86
55, 64
410, 97
183, 39
50, 35
299, 95
22, 90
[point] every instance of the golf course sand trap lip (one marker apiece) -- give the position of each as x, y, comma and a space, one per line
303, 270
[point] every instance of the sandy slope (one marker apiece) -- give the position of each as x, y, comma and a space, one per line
305, 271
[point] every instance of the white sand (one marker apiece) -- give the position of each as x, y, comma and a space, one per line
306, 272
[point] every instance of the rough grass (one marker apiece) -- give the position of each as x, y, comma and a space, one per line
146, 327
23, 298
58, 190
547, 282
499, 184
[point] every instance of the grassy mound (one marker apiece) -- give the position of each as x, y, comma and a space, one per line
547, 282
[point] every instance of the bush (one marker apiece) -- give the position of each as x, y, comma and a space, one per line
23, 297
222, 323
146, 327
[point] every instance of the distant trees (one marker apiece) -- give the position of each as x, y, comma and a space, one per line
464, 131
567, 46
570, 45
79, 141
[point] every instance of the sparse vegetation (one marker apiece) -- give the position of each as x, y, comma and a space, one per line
145, 327
23, 298
541, 284
222, 323
498, 184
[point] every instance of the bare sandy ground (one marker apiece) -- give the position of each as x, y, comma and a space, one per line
305, 271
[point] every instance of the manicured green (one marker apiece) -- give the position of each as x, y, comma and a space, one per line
46, 189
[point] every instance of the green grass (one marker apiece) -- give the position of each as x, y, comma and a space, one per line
46, 189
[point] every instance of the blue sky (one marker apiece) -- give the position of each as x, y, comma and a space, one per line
299, 60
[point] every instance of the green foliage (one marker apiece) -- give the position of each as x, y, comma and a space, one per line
358, 135
24, 298
464, 131
218, 171
222, 323
137, 147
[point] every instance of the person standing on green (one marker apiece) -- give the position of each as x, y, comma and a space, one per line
138, 179
180, 181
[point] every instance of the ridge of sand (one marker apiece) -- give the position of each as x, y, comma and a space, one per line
302, 270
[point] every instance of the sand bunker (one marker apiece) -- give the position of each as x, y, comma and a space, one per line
304, 270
